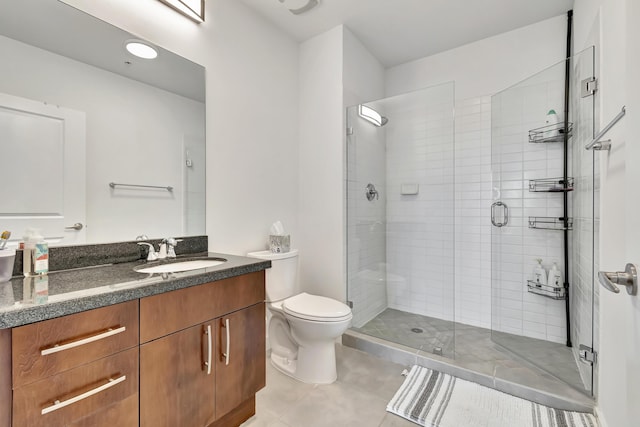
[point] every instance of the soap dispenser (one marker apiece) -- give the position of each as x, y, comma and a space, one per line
539, 274
555, 277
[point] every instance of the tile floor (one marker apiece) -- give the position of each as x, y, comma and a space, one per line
358, 398
480, 350
478, 355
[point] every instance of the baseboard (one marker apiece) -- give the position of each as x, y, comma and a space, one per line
600, 417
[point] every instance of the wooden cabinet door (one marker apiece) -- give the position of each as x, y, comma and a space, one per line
102, 393
176, 379
240, 362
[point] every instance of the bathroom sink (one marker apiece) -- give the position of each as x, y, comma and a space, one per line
179, 266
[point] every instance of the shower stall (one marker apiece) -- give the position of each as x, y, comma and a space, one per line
449, 204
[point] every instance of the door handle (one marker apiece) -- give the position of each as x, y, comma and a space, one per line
226, 354
77, 226
207, 332
57, 404
505, 214
628, 278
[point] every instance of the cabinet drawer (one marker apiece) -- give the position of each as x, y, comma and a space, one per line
47, 348
106, 387
166, 313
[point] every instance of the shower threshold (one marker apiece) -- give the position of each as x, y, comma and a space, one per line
480, 359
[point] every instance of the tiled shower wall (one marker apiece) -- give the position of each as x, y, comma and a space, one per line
515, 247
420, 245
472, 199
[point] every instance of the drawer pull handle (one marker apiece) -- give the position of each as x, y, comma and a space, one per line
56, 348
209, 350
59, 405
226, 354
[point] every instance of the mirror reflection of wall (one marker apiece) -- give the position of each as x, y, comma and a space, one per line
136, 133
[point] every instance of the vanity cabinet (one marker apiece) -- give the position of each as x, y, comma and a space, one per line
193, 357
202, 353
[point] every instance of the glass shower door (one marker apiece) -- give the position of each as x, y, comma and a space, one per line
541, 320
400, 219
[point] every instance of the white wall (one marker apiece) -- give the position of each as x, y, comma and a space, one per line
616, 23
135, 134
251, 111
486, 66
321, 157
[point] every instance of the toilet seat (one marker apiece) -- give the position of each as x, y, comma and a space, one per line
316, 308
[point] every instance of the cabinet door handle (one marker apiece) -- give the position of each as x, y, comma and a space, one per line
109, 332
226, 354
59, 405
207, 332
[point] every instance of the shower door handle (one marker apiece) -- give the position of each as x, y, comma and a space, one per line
627, 278
505, 217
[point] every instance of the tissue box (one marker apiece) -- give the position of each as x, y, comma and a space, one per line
7, 256
279, 244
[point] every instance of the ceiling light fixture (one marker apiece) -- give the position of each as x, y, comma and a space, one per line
192, 9
299, 6
371, 115
141, 49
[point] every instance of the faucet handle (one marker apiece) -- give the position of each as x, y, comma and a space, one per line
171, 244
152, 255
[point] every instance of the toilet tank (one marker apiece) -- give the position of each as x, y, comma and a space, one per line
282, 278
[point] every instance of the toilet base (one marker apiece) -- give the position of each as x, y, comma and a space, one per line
310, 371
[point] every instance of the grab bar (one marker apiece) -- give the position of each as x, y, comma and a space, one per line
598, 145
114, 184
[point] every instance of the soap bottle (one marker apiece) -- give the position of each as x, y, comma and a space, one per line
539, 274
555, 277
551, 120
35, 259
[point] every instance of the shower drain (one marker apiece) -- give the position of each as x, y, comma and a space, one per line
417, 330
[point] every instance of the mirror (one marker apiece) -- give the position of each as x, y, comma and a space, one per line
96, 144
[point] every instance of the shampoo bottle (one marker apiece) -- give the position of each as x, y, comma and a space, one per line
539, 274
551, 120
555, 277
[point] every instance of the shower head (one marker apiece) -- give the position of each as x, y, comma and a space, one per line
372, 116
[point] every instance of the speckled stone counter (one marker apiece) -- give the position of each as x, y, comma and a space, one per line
73, 291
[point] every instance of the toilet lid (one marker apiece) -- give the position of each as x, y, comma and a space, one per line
314, 307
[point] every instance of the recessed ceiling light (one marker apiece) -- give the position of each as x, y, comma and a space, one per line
141, 49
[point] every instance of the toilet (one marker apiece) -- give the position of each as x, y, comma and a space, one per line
302, 327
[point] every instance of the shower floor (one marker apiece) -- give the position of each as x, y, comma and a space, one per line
473, 348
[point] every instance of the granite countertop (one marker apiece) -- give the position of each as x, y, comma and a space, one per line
24, 301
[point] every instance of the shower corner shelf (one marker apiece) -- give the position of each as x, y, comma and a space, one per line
550, 133
550, 223
550, 185
548, 291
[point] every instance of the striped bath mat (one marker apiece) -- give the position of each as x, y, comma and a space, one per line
433, 399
